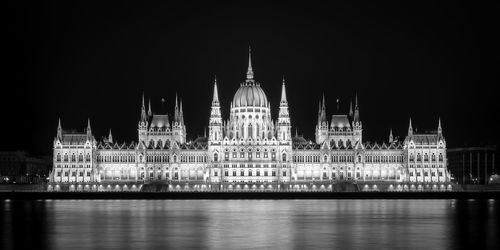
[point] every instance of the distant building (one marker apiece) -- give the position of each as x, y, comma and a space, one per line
20, 167
249, 151
472, 165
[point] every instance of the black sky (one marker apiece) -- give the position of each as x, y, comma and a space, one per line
76, 60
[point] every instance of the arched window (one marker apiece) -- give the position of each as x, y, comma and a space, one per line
73, 158
412, 158
419, 157
359, 158
325, 158
80, 158
440, 157
58, 158
426, 157
433, 157
284, 157
216, 157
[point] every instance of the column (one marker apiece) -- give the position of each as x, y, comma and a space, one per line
485, 167
463, 168
478, 167
470, 165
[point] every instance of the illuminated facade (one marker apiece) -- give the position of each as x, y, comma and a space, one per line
249, 151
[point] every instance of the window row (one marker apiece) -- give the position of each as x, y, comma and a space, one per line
116, 158
383, 158
72, 173
418, 174
250, 155
249, 173
425, 166
73, 166
72, 158
426, 157
306, 158
250, 166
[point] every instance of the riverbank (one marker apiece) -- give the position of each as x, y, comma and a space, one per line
249, 195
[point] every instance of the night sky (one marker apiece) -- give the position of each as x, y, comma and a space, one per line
93, 60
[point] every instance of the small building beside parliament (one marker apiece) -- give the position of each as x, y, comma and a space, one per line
249, 152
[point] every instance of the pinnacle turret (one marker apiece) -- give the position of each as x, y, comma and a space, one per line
89, 129
410, 129
249, 71
143, 110
110, 137
283, 93
215, 99
150, 112
59, 129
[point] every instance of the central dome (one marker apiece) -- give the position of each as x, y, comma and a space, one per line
250, 95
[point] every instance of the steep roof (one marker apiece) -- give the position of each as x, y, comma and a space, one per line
74, 139
340, 121
159, 121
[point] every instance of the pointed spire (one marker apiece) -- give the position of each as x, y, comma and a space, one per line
176, 102
149, 108
249, 71
351, 113
440, 130
89, 129
283, 92
143, 110
143, 100
356, 111
323, 105
176, 109
410, 129
215, 99
59, 129
338, 105
296, 133
110, 137
391, 138
322, 113
205, 132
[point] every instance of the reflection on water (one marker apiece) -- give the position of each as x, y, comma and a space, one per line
249, 224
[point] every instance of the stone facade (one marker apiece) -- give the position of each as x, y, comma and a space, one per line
249, 151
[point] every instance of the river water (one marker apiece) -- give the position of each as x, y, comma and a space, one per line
250, 224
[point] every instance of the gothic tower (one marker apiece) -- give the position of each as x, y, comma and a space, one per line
215, 123
284, 126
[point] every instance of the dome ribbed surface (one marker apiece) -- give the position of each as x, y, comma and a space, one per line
250, 96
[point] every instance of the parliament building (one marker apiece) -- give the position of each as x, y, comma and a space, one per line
250, 152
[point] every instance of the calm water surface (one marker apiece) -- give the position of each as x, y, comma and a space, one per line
250, 224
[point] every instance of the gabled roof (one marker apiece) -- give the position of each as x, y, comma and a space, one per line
340, 121
74, 139
425, 138
306, 146
160, 121
193, 146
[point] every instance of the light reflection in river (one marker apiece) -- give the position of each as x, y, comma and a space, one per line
249, 224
